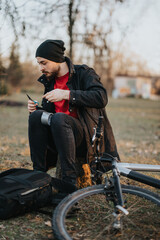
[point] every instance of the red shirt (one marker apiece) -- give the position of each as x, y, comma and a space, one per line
63, 106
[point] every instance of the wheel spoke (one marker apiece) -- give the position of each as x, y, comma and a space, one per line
95, 219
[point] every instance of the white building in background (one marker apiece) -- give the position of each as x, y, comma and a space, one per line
136, 86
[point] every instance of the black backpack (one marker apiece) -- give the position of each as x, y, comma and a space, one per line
23, 190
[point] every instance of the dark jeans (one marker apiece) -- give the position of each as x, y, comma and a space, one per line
65, 137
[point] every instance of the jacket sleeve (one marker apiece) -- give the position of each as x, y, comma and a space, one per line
92, 93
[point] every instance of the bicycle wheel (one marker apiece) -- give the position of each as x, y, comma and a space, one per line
88, 214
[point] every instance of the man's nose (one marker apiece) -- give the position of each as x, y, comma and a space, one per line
41, 68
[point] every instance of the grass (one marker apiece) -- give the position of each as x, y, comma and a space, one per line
135, 225
136, 125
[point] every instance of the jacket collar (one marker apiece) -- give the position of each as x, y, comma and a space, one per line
71, 67
42, 79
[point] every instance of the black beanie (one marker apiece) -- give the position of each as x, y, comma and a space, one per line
52, 50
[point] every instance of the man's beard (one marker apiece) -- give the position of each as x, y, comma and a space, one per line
51, 74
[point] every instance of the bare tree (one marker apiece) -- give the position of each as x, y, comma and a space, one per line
10, 12
96, 34
15, 72
67, 12
73, 12
98, 39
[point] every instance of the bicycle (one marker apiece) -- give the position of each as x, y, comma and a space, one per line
110, 210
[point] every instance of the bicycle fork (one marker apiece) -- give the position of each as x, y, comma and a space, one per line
117, 198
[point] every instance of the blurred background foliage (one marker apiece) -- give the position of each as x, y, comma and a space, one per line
88, 28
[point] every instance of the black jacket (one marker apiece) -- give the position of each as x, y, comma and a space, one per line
89, 97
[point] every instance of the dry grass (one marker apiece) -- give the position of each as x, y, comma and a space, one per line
136, 124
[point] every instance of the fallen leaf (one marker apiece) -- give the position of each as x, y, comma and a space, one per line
4, 149
48, 223
25, 152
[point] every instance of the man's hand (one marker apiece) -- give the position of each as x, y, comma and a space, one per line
57, 95
31, 106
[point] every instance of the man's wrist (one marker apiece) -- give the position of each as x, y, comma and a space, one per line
66, 94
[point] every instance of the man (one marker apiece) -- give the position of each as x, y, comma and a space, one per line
76, 97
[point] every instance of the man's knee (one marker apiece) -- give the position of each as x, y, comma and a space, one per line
35, 117
59, 119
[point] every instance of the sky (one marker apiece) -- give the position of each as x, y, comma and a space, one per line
138, 19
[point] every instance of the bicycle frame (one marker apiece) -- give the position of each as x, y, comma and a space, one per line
106, 167
140, 167
129, 170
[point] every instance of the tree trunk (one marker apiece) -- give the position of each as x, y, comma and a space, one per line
70, 28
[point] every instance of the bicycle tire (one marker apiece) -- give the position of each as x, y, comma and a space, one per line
146, 199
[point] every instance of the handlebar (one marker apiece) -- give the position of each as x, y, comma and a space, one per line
98, 131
